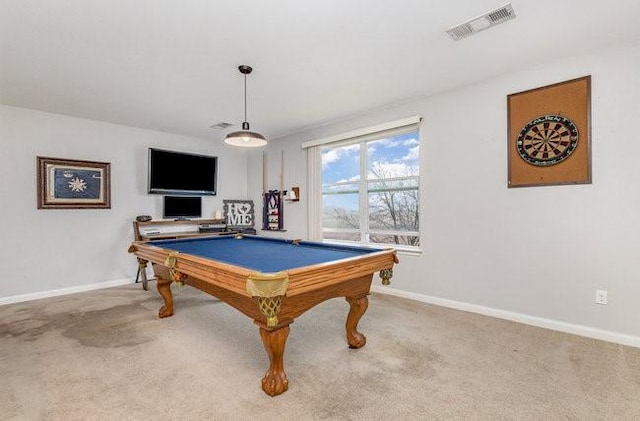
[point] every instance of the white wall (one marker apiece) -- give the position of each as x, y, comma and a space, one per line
539, 252
44, 250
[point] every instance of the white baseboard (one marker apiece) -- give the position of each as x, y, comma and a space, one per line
63, 291
589, 332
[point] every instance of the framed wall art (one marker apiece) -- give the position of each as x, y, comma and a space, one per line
73, 184
549, 135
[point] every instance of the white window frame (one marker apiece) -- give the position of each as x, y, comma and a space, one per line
314, 154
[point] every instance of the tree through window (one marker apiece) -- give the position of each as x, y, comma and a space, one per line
370, 190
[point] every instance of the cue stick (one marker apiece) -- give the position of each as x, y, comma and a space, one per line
281, 173
264, 172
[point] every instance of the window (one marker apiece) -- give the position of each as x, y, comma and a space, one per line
369, 188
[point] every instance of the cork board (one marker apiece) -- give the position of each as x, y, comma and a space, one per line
549, 135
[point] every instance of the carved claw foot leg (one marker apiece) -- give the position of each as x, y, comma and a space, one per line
275, 380
358, 305
164, 288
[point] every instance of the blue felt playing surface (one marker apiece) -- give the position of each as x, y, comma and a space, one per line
262, 254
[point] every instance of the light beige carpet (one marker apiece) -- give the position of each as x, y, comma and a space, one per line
104, 355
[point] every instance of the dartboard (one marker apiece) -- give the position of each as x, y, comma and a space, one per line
547, 140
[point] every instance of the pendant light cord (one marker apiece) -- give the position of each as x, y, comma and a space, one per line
245, 97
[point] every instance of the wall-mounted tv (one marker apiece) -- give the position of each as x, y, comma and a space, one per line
182, 207
172, 172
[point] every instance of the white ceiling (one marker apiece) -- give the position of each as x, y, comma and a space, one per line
171, 65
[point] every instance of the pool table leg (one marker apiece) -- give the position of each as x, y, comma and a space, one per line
358, 305
275, 380
164, 288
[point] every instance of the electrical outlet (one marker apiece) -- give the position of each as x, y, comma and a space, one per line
601, 296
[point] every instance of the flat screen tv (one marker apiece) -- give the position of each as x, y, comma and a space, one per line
174, 173
182, 207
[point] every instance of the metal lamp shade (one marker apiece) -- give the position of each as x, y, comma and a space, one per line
245, 139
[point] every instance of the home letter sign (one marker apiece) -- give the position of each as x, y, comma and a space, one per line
239, 213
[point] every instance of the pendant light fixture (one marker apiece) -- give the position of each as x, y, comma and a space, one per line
245, 138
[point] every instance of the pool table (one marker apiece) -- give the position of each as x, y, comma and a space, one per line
272, 281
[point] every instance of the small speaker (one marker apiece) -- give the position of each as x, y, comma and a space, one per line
143, 218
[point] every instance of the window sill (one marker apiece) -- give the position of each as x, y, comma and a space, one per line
407, 251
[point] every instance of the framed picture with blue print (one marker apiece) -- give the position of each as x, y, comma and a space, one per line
73, 184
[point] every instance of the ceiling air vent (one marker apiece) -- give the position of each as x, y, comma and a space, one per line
480, 23
221, 125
